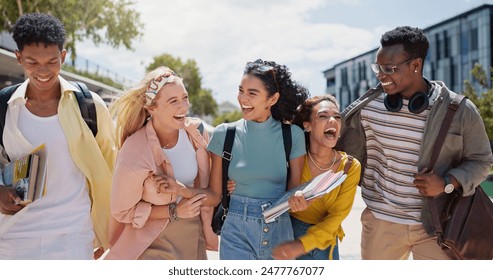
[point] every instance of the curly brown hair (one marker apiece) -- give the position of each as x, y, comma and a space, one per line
277, 78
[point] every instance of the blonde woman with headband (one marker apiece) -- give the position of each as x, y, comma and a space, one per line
161, 175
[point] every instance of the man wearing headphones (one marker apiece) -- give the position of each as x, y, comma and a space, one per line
391, 130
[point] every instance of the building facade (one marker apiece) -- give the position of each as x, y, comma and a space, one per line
456, 45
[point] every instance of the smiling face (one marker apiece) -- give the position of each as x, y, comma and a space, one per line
324, 125
169, 107
42, 64
407, 78
254, 100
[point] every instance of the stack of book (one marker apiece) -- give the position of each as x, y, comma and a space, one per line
318, 186
27, 175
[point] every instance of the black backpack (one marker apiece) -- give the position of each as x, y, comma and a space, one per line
84, 99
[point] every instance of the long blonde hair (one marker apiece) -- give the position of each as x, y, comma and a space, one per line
130, 110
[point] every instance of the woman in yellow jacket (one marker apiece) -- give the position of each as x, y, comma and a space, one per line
317, 229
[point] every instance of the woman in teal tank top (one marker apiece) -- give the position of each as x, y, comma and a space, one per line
267, 96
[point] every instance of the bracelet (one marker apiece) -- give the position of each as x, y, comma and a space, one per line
172, 211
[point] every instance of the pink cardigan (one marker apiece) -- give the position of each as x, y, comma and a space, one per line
140, 156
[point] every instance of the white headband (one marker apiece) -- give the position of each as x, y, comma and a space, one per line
156, 85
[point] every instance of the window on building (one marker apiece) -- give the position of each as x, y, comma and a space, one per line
353, 74
331, 82
432, 71
359, 70
451, 74
474, 39
364, 70
344, 78
464, 46
437, 47
447, 45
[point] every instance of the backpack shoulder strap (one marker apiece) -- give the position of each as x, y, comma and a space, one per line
286, 137
201, 128
227, 157
348, 164
5, 94
86, 106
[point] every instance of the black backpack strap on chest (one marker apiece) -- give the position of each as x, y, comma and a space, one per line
86, 106
201, 128
84, 100
5, 94
227, 157
286, 137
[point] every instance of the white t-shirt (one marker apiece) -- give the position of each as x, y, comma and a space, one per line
66, 206
183, 159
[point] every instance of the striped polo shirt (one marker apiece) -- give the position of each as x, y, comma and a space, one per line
393, 143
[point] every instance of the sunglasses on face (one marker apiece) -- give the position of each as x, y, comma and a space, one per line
387, 69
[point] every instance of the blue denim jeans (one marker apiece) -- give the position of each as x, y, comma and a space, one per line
299, 229
246, 236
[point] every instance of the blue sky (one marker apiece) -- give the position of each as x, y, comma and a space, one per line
308, 36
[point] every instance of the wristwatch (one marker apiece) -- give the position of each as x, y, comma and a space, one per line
449, 187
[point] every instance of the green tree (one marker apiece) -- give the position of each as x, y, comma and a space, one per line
202, 101
113, 22
227, 117
483, 100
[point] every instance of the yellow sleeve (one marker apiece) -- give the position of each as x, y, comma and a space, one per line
324, 233
106, 132
105, 139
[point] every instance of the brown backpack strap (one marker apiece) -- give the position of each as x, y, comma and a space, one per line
348, 164
442, 133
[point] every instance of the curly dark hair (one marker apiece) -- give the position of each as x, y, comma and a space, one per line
277, 78
413, 39
304, 112
38, 28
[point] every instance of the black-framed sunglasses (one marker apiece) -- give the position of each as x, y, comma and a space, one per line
388, 69
262, 68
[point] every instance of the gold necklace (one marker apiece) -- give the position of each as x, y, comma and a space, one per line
320, 168
41, 108
172, 142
